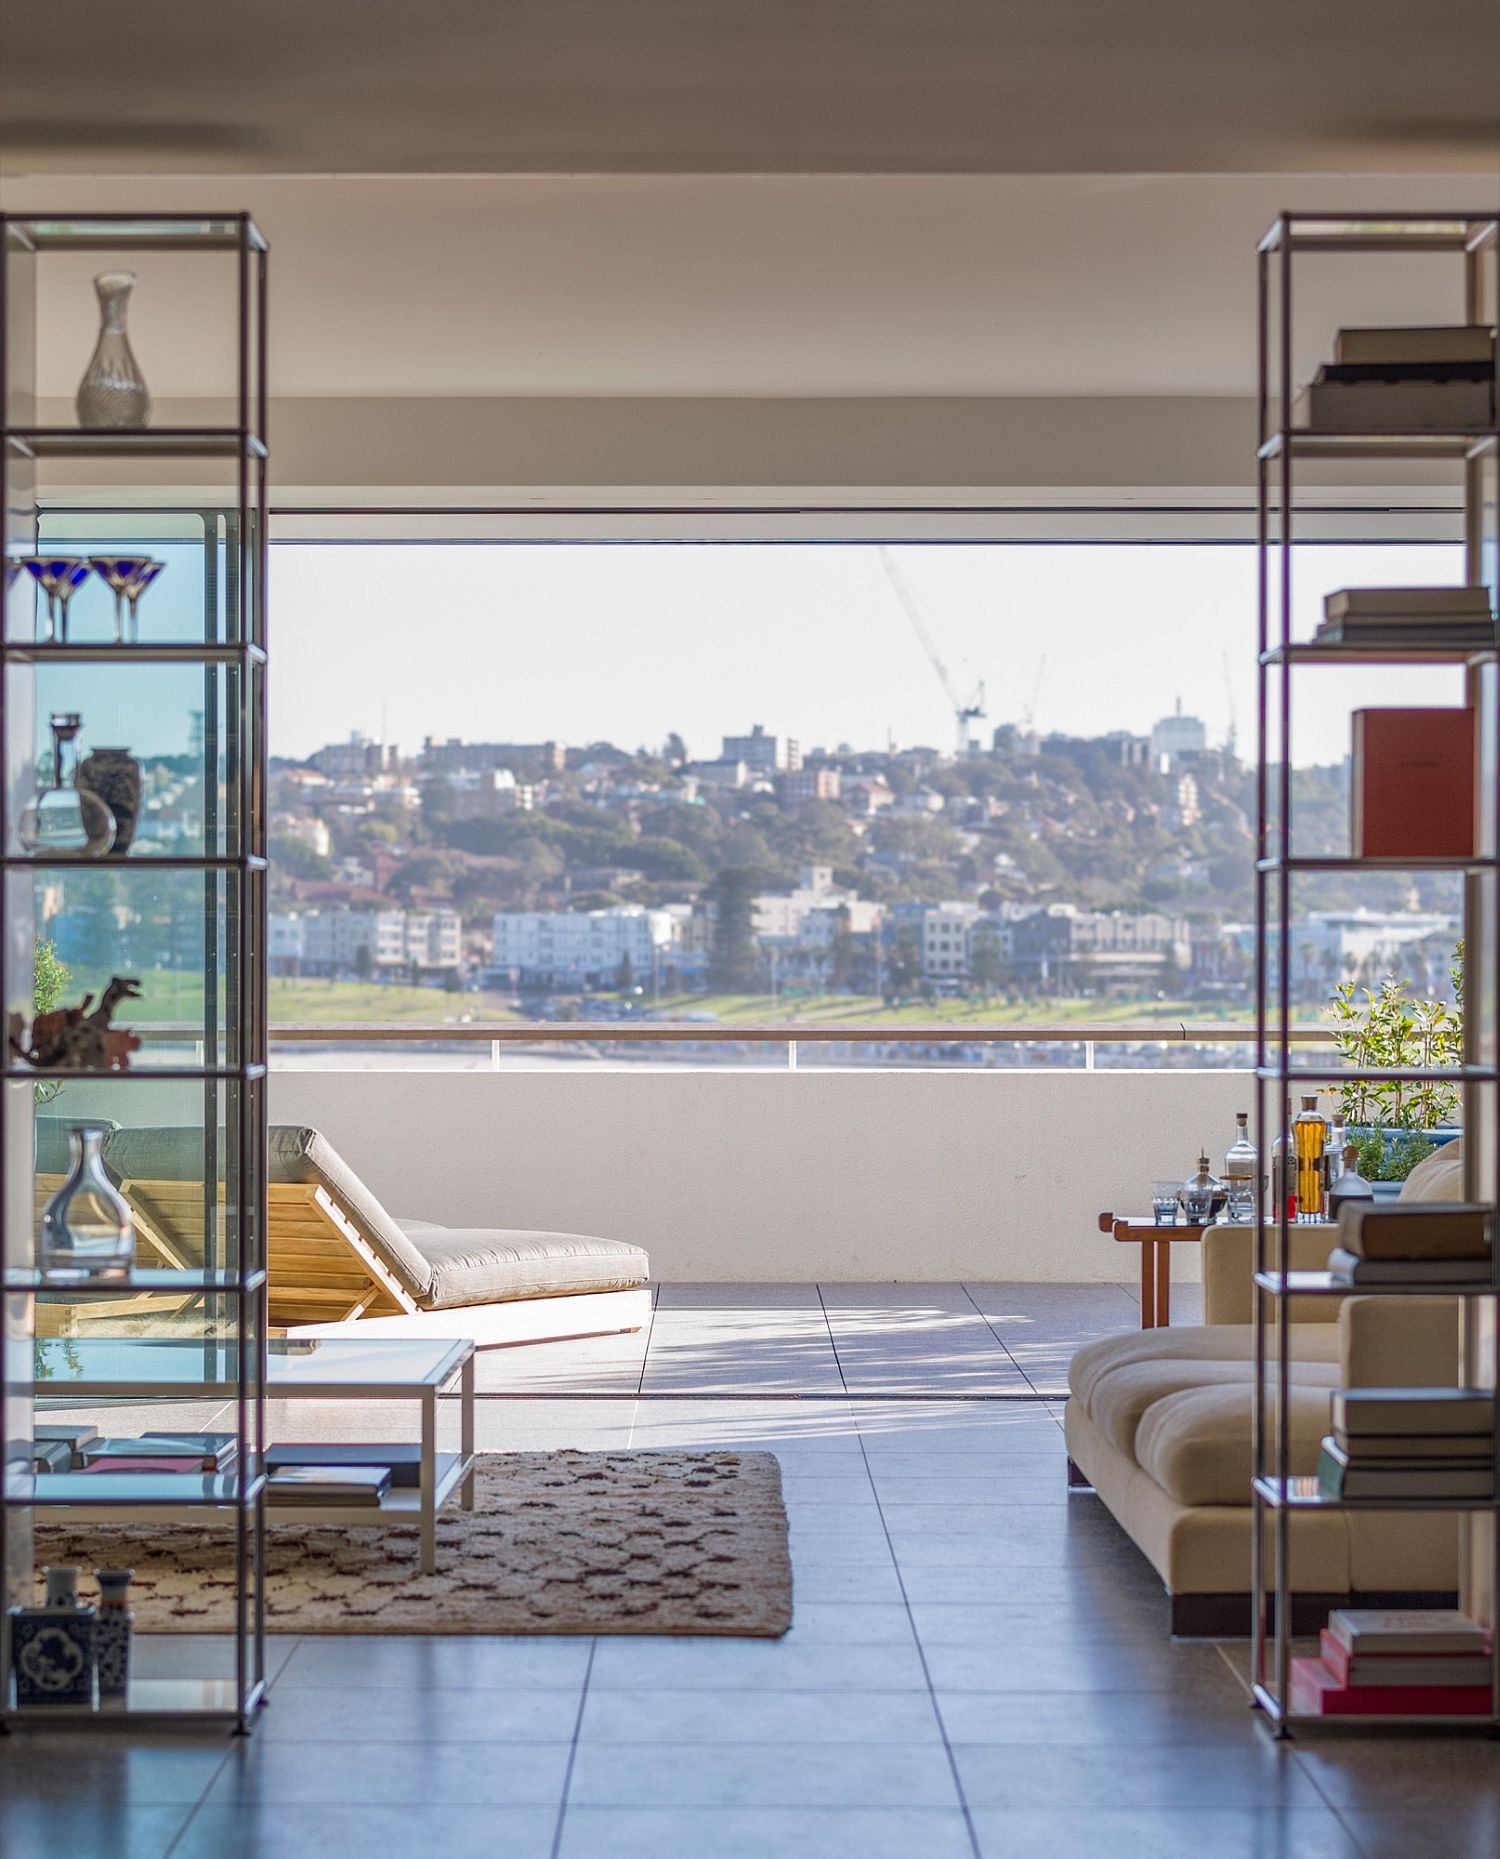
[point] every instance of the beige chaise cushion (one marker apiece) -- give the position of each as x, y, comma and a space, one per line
1196, 1443
481, 1265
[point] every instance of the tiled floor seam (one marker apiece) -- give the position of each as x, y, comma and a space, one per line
640, 1380
833, 1344
562, 1805
1000, 1340
958, 1786
231, 1743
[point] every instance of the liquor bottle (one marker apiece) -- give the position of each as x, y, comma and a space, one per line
1202, 1195
1310, 1144
1283, 1174
1350, 1184
1241, 1173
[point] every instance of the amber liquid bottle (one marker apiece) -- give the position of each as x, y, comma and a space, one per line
1309, 1145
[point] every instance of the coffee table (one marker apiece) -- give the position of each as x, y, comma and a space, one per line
313, 1368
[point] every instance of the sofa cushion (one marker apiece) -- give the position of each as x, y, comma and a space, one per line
482, 1265
1196, 1443
1203, 1342
1123, 1397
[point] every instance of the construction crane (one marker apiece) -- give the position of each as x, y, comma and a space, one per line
963, 713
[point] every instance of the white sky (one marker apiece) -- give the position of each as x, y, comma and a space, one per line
522, 642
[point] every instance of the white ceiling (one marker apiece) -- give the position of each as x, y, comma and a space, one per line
751, 86
779, 286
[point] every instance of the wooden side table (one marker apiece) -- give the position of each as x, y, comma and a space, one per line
1156, 1243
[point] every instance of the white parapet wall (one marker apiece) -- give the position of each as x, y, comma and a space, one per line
746, 1175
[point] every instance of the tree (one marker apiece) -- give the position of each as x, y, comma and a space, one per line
674, 750
625, 974
986, 964
903, 969
841, 955
733, 966
364, 962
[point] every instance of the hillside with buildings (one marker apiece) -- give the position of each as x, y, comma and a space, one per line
1033, 866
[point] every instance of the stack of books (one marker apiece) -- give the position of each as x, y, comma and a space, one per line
320, 1487
73, 1437
1410, 1444
1413, 1243
1381, 1662
1408, 618
162, 1452
403, 1462
1404, 380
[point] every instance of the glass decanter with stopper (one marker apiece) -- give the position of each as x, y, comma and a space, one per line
87, 1228
1310, 1147
1202, 1195
1241, 1173
1348, 1183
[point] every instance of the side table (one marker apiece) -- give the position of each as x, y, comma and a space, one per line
1156, 1243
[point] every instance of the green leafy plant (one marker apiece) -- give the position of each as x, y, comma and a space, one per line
1389, 1029
1387, 1157
50, 977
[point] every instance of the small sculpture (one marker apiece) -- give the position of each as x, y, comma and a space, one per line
76, 1039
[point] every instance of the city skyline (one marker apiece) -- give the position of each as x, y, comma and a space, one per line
627, 643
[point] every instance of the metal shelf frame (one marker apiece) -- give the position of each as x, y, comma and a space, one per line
1473, 241
228, 868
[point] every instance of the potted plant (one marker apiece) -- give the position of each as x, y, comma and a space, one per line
1395, 1123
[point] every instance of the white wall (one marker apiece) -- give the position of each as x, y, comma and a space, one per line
784, 1175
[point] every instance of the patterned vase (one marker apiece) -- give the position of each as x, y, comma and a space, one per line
113, 392
112, 1631
115, 776
52, 1646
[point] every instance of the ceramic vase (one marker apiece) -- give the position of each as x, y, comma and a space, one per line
52, 1646
113, 392
114, 775
113, 1627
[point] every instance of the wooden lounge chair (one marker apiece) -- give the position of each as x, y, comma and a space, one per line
340, 1264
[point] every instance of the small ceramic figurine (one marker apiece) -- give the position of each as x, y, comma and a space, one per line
76, 1039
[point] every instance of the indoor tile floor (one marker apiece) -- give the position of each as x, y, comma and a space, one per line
978, 1665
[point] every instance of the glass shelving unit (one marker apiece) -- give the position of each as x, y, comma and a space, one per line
182, 909
1472, 241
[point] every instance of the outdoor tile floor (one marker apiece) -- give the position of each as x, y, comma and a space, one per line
978, 1667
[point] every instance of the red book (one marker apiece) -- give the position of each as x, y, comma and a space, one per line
1403, 1668
1413, 784
1317, 1693
106, 1466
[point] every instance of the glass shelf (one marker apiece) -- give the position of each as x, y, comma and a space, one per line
1379, 232
45, 652
218, 1283
1302, 442
155, 1700
1314, 863
132, 232
1324, 1284
1305, 1493
148, 441
135, 1490
1310, 654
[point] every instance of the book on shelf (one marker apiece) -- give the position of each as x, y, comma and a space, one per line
318, 1486
1416, 1445
1457, 342
75, 1434
151, 1463
51, 1455
1398, 373
1352, 1474
1349, 1268
1410, 636
213, 1451
1316, 1692
1415, 1229
1403, 1668
1406, 1629
1464, 602
1412, 784
1362, 1411
1418, 405
403, 1462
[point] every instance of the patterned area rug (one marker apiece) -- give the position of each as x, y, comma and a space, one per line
558, 1542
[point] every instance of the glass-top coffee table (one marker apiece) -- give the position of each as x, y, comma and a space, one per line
311, 1368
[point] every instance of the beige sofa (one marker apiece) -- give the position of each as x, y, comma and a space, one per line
1158, 1424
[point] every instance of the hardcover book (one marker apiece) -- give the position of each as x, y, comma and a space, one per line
1408, 603
210, 1452
1348, 1268
1406, 1629
1315, 1692
1403, 1668
108, 1467
1353, 1475
1414, 1410
1455, 342
1412, 786
1415, 1445
403, 1462
1415, 1230
1395, 406
327, 1485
